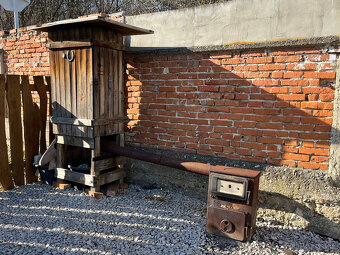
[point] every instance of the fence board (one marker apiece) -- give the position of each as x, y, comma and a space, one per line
5, 173
15, 128
42, 91
31, 131
50, 134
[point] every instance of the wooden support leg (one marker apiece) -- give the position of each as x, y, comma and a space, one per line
61, 158
95, 153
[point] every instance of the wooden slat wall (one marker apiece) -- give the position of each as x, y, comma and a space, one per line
89, 87
24, 115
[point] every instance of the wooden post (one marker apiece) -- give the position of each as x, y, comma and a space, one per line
2, 62
5, 173
15, 128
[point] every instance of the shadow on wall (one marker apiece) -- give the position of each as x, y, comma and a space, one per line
268, 106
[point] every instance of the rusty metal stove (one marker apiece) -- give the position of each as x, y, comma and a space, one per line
232, 204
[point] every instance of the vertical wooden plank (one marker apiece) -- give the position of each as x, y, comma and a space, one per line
101, 83
96, 89
61, 155
42, 91
31, 134
67, 88
116, 89
62, 86
79, 88
121, 96
67, 66
73, 75
55, 86
95, 153
89, 83
2, 63
5, 173
83, 83
49, 87
111, 81
106, 81
15, 128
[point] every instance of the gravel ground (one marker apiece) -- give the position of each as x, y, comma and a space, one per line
39, 219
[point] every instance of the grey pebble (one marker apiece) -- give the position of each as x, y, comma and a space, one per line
39, 219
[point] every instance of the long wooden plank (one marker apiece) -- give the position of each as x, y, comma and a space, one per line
103, 164
89, 83
110, 177
110, 84
56, 86
74, 128
71, 121
62, 85
76, 141
50, 133
72, 176
102, 84
52, 82
5, 173
79, 88
106, 81
31, 130
68, 44
15, 128
96, 89
42, 91
68, 90
116, 89
83, 66
121, 96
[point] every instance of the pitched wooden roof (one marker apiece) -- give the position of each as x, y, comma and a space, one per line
125, 29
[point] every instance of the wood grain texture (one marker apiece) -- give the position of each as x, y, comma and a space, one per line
116, 89
31, 134
50, 133
42, 91
64, 174
110, 177
5, 173
96, 86
89, 83
15, 128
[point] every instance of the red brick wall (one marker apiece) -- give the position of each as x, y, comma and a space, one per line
25, 52
270, 106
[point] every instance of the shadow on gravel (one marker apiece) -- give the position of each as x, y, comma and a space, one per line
41, 220
307, 214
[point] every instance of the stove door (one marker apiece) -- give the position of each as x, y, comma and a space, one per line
226, 223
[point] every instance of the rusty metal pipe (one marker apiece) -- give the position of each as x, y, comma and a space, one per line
195, 167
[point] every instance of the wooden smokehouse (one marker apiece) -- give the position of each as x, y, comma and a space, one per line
87, 95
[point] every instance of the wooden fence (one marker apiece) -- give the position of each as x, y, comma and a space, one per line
27, 127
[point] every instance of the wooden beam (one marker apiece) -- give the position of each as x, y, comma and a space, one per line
68, 44
65, 174
100, 165
76, 141
110, 177
72, 121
